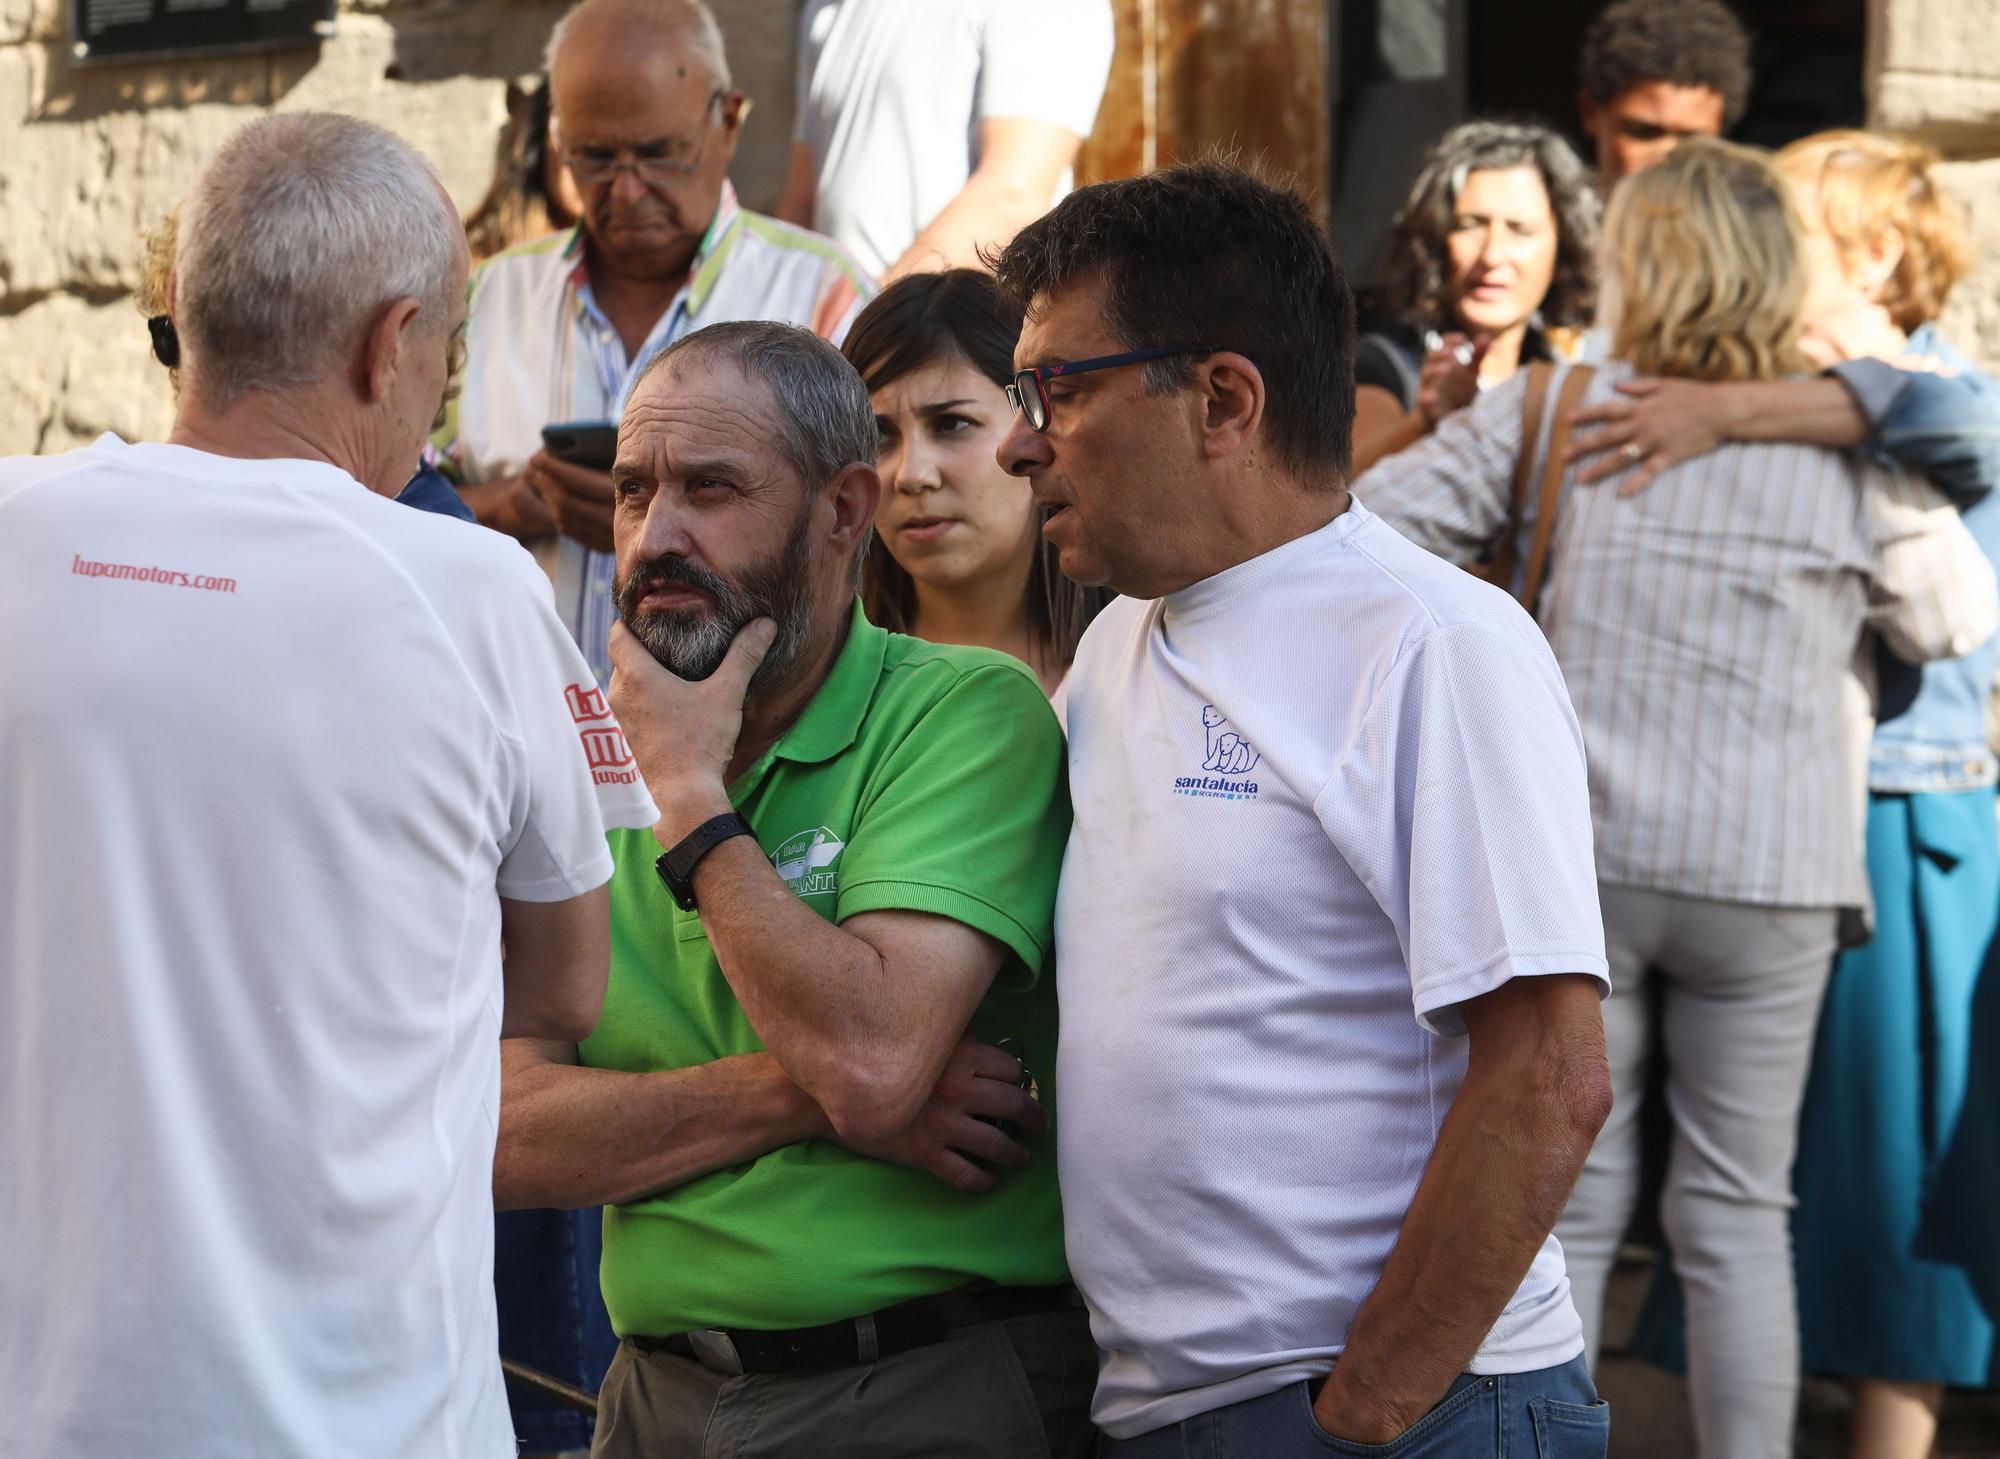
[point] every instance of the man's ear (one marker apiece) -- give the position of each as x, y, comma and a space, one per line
1232, 395
735, 112
853, 496
1586, 111
387, 348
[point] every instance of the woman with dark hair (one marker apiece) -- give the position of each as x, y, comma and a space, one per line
1492, 265
958, 555
532, 193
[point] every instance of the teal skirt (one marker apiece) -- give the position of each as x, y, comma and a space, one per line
1897, 1232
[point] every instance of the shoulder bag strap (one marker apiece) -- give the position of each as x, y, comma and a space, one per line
1500, 569
1577, 381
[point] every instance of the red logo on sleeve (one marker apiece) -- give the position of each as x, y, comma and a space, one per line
587, 702
604, 745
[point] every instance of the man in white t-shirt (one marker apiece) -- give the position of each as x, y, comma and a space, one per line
1328, 937
928, 128
286, 762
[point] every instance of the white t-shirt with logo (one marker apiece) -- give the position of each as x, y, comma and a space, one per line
1321, 799
891, 94
269, 743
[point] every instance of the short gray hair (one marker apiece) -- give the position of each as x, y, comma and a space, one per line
825, 420
297, 231
694, 21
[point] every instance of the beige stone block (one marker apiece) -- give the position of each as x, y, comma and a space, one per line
42, 20
1951, 37
76, 370
1960, 114
452, 122
98, 159
1972, 319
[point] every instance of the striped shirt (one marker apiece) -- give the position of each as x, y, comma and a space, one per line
1705, 628
539, 351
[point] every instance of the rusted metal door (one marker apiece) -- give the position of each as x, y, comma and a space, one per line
1191, 76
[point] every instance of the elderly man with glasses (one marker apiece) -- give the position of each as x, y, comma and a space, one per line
647, 121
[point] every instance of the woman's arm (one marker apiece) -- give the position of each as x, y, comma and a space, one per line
1382, 427
1946, 426
1450, 492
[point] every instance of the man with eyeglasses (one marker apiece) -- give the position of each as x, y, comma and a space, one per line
647, 121
1331, 956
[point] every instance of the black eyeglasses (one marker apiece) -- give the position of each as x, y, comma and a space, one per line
1028, 396
658, 164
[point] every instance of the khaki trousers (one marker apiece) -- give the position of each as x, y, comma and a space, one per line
1013, 1389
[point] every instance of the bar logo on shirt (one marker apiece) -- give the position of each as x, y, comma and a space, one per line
604, 743
1225, 753
805, 862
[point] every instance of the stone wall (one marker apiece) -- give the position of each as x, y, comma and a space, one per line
1934, 70
90, 157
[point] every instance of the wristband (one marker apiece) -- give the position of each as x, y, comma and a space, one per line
676, 867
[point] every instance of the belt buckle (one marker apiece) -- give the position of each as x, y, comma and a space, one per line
715, 1350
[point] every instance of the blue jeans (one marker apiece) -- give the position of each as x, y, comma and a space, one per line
551, 1317
1551, 1414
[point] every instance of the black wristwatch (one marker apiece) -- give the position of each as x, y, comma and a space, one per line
676, 867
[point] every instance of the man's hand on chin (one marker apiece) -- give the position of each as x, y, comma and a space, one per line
683, 732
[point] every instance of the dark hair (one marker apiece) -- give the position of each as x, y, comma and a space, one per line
1416, 271
517, 207
1208, 253
1686, 42
915, 322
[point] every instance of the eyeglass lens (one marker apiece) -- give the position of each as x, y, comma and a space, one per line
1026, 397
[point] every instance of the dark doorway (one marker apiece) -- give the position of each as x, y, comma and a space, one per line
1409, 69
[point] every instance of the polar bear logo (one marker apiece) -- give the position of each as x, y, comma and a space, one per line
1228, 752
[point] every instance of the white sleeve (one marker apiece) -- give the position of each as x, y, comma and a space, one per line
1463, 807
1046, 60
576, 775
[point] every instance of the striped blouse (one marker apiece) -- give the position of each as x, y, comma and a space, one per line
1705, 628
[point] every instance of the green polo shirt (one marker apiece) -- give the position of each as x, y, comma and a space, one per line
922, 777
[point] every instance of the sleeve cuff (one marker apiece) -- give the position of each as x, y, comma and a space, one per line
943, 901
1874, 384
1437, 1004
558, 886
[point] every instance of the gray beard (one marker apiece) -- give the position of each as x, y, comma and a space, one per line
692, 643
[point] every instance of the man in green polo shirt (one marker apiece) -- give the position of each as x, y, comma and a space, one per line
832, 1222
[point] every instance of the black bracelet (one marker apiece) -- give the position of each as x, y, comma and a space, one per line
676, 867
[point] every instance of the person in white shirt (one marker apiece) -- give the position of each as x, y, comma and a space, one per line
1328, 937
927, 129
286, 762
646, 120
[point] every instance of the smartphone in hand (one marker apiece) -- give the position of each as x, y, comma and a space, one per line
591, 443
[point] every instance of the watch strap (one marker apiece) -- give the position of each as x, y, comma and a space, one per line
676, 866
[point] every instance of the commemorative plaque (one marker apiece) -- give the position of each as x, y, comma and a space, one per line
147, 30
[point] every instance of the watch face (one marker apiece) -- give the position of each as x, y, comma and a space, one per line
678, 887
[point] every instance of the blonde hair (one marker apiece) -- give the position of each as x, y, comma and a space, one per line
1865, 185
1703, 273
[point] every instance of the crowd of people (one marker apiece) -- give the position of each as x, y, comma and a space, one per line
1068, 840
